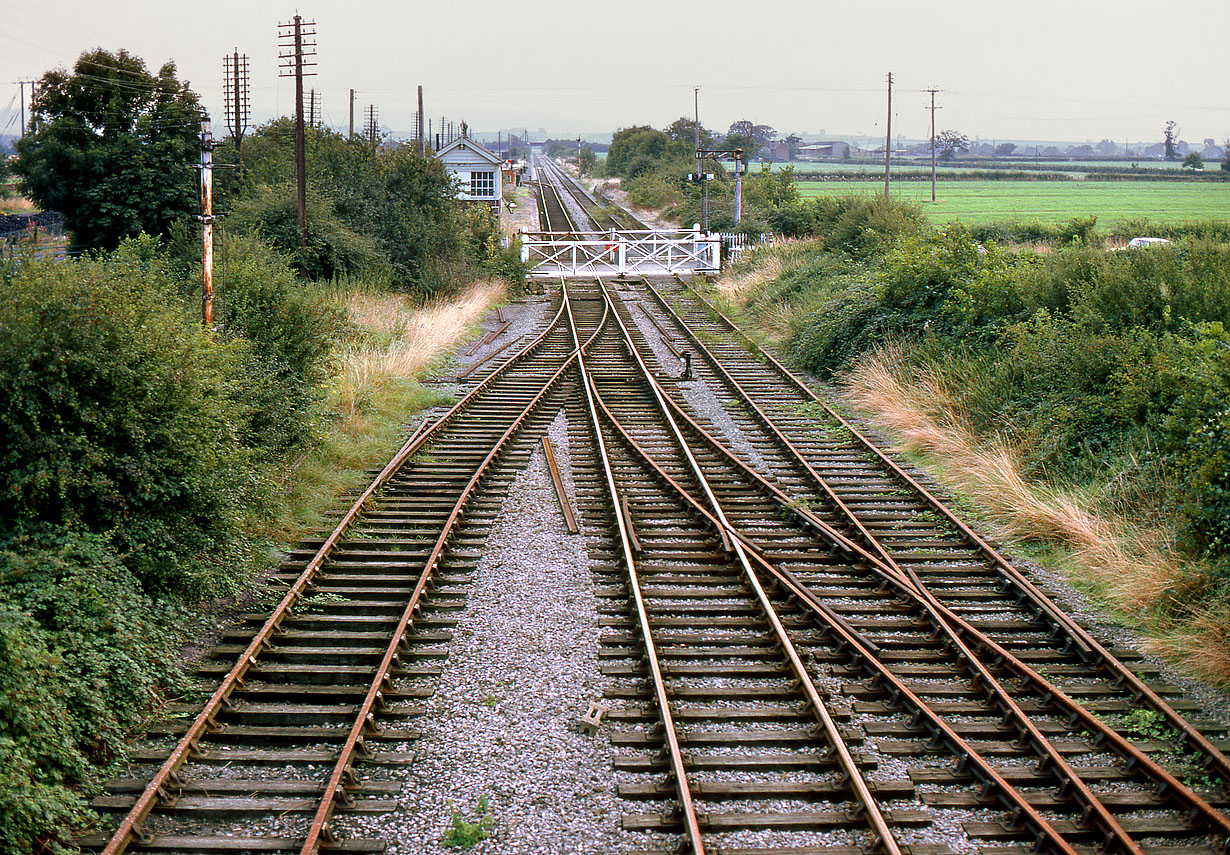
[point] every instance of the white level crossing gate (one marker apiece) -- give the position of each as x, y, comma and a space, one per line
613, 253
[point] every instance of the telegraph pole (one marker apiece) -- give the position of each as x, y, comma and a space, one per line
372, 127
933, 108
293, 55
420, 119
207, 224
888, 136
22, 84
351, 114
235, 96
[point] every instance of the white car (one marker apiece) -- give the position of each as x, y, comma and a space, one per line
1147, 241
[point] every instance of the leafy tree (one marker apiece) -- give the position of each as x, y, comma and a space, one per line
950, 143
1005, 149
1170, 139
1106, 147
1193, 161
638, 149
369, 211
793, 142
749, 137
1225, 164
111, 148
683, 129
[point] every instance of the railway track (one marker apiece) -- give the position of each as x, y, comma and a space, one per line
942, 648
331, 678
807, 651
582, 212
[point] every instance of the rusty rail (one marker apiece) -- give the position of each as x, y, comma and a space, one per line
957, 630
885, 841
569, 519
1213, 758
492, 355
156, 791
687, 807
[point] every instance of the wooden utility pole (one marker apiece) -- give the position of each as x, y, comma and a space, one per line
933, 108
351, 114
295, 51
420, 120
207, 224
33, 91
888, 136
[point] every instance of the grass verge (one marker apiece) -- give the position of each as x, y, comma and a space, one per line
375, 391
1118, 560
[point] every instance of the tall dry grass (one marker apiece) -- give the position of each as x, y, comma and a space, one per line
401, 339
1120, 559
765, 266
375, 394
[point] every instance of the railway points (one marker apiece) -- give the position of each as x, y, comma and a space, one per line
801, 647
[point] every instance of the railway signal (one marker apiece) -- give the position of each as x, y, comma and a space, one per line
740, 168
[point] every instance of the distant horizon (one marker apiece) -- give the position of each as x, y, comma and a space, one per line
1055, 71
540, 135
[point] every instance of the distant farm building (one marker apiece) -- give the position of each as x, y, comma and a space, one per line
478, 172
824, 149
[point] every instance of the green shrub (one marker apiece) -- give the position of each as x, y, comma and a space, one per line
1108, 369
117, 415
333, 248
289, 332
39, 764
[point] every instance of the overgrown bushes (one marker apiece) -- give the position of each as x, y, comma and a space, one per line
137, 455
1106, 367
384, 212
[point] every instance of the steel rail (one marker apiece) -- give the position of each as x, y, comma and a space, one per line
837, 744
1070, 779
156, 791
683, 790
942, 617
335, 789
572, 226
1213, 758
587, 202
490, 356
1167, 785
565, 507
851, 640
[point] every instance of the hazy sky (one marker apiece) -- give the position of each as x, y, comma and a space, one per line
1042, 70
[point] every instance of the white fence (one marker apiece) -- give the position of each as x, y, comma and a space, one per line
735, 244
616, 253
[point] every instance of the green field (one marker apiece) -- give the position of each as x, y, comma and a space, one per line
979, 202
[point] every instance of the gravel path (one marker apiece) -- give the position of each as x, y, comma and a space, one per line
522, 668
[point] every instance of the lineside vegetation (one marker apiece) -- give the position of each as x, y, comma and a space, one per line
1082, 395
149, 468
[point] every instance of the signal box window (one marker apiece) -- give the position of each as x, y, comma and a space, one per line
482, 184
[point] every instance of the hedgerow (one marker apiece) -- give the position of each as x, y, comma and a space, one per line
137, 453
1106, 367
